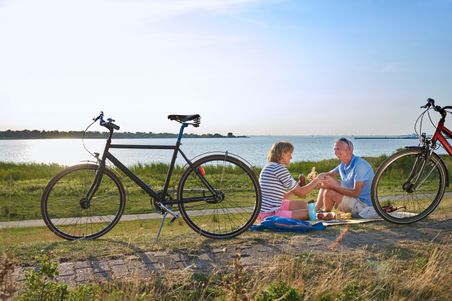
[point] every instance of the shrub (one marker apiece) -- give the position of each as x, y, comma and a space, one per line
40, 283
280, 291
7, 287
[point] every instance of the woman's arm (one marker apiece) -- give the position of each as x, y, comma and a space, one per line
301, 191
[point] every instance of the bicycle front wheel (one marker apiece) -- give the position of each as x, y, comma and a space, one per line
406, 187
219, 196
66, 212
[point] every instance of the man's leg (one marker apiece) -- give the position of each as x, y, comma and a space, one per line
331, 199
320, 197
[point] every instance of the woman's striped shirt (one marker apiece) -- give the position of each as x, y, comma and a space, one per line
275, 181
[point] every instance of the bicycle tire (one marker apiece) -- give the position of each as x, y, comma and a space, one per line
238, 209
61, 206
389, 192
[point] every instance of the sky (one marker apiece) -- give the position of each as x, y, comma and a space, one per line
251, 67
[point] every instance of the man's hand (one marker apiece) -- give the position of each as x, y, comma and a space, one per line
327, 182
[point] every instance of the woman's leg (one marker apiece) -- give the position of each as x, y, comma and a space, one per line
299, 209
296, 209
296, 204
300, 214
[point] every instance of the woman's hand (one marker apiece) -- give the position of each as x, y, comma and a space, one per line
327, 182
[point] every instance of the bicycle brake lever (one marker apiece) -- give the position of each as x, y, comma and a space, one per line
98, 117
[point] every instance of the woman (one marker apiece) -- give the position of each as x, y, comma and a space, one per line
278, 185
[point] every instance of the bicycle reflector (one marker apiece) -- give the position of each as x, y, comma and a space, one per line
201, 170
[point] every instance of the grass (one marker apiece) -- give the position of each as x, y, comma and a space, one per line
126, 238
22, 185
129, 237
409, 271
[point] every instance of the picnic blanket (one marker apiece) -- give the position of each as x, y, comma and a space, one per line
285, 224
335, 222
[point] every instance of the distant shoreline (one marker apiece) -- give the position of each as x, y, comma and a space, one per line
388, 137
35, 134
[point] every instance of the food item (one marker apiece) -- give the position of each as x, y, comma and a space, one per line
311, 176
301, 180
326, 216
344, 215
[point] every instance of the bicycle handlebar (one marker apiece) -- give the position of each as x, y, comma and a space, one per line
108, 124
431, 103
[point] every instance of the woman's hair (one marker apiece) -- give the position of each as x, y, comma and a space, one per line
277, 149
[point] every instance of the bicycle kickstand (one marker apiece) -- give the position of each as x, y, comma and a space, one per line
165, 211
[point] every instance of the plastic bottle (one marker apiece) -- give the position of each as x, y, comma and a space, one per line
311, 211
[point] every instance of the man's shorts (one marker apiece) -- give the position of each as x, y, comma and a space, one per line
353, 205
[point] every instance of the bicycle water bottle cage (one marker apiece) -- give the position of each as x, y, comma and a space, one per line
186, 118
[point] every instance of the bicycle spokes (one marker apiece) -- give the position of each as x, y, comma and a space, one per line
70, 214
407, 186
229, 208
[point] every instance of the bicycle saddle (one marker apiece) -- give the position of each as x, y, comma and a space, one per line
186, 118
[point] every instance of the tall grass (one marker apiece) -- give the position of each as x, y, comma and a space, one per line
22, 184
308, 276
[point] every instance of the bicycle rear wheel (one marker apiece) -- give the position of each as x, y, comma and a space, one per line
231, 208
395, 195
66, 215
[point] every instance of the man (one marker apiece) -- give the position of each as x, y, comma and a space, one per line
352, 194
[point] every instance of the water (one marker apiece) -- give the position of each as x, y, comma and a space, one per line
253, 149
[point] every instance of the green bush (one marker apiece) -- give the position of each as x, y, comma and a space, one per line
280, 291
41, 284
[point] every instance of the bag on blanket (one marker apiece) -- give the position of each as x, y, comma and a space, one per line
285, 224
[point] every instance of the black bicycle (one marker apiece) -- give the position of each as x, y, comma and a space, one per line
218, 195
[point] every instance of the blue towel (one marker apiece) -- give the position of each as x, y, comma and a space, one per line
284, 224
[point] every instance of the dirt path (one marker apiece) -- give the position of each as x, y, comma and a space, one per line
370, 238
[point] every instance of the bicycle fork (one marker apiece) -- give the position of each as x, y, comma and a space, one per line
419, 166
85, 202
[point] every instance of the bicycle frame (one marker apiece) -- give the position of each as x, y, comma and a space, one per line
160, 197
438, 136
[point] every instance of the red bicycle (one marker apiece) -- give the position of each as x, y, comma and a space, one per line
410, 184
